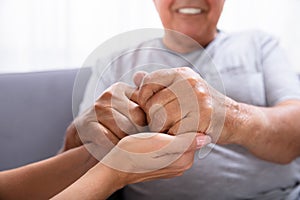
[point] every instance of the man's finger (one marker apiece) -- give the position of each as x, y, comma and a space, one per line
154, 82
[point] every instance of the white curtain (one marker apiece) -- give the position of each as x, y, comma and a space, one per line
54, 34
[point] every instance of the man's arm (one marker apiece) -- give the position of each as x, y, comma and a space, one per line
46, 178
270, 133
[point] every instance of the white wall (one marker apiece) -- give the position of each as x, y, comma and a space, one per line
54, 34
278, 17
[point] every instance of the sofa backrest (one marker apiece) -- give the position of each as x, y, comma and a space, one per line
35, 110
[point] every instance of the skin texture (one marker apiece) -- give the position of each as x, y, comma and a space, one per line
57, 175
162, 95
271, 133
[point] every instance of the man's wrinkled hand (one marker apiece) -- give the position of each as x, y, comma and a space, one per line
178, 100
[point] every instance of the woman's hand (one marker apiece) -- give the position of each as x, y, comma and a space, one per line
114, 115
105, 177
149, 156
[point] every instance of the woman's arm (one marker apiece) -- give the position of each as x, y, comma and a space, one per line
98, 183
102, 180
46, 178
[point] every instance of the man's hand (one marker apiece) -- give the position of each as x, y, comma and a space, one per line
178, 100
269, 133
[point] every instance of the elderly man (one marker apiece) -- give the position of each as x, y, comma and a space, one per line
255, 155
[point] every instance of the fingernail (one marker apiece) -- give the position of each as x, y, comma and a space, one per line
202, 140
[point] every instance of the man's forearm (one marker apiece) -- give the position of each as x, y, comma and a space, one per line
271, 133
46, 178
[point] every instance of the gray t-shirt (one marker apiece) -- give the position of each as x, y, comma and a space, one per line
254, 70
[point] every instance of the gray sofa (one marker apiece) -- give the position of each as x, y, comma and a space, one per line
35, 109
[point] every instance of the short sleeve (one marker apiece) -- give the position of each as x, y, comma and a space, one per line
281, 83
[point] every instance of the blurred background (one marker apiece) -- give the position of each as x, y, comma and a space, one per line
38, 35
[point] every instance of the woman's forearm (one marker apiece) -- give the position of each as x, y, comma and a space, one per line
46, 178
98, 183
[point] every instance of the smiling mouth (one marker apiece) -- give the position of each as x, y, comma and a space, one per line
189, 11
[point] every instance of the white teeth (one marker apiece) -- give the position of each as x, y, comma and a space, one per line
190, 11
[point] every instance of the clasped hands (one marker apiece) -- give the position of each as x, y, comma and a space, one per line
177, 102
172, 101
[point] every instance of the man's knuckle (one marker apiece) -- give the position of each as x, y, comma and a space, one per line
193, 81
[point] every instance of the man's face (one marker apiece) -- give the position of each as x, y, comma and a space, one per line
196, 18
